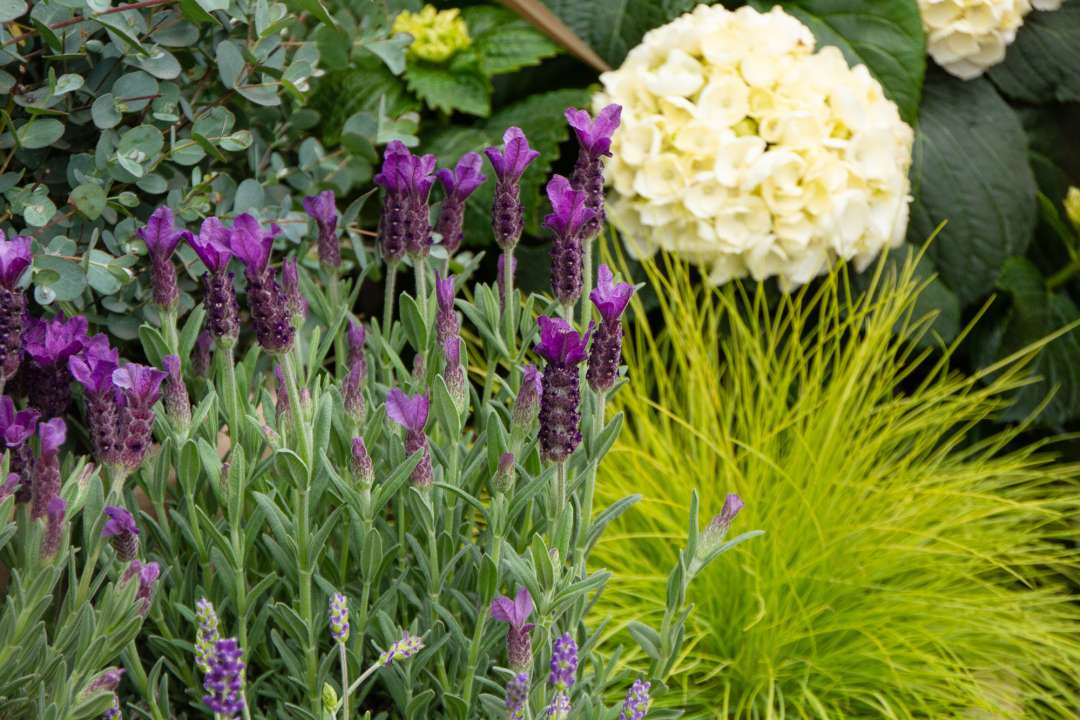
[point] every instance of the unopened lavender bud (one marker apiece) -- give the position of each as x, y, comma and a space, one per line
207, 634
295, 303
564, 663
411, 413
637, 701
517, 696
721, 522
10, 486
419, 367
506, 474
456, 383
148, 576
46, 483
107, 680
527, 403
356, 337
122, 532
200, 357
458, 185
281, 394
446, 322
323, 210
177, 404
339, 618
113, 713
352, 393
362, 467
403, 649
54, 527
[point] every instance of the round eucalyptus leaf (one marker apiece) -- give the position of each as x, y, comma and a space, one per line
134, 91
144, 139
11, 10
239, 140
128, 199
175, 32
66, 83
249, 196
69, 281
99, 274
39, 211
44, 295
39, 133
153, 184
161, 64
89, 199
104, 112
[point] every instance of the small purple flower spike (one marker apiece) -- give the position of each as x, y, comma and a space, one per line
15, 429
567, 223
403, 649
108, 679
177, 402
296, 304
527, 403
49, 344
141, 388
15, 258
213, 247
516, 613
269, 313
122, 531
339, 618
161, 238
407, 179
207, 634
411, 413
506, 473
517, 695
560, 707
446, 321
46, 483
224, 683
323, 210
458, 185
594, 139
637, 701
54, 527
362, 467
606, 351
147, 575
509, 164
564, 663
560, 415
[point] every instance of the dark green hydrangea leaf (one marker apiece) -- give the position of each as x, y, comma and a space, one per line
1043, 64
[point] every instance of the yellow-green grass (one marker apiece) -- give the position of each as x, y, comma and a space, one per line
914, 564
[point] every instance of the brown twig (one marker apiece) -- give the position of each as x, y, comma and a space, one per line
82, 18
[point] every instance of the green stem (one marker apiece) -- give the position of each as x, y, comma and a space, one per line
586, 306
509, 306
558, 497
388, 313
420, 273
590, 480
227, 371
200, 546
344, 681
1064, 275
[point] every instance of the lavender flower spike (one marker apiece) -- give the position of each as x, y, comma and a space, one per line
224, 683
141, 388
352, 386
207, 634
560, 708
122, 531
446, 321
54, 527
637, 701
509, 164
403, 649
594, 140
46, 485
212, 245
527, 402
16, 428
564, 663
339, 618
49, 344
560, 416
411, 413
113, 713
454, 374
323, 211
566, 222
252, 245
458, 184
362, 468
161, 238
517, 695
15, 258
606, 351
107, 680
177, 403
516, 613
407, 179
93, 369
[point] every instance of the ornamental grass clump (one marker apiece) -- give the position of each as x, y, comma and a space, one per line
917, 557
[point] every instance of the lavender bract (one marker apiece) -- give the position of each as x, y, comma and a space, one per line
506, 473
560, 415
146, 575
269, 314
15, 258
411, 413
323, 210
527, 402
140, 386
566, 222
122, 532
606, 351
458, 185
352, 387
93, 369
594, 141
161, 238
46, 482
516, 613
446, 320
177, 403
718, 527
212, 245
224, 683
509, 163
362, 467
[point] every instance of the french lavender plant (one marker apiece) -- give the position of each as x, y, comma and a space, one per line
394, 516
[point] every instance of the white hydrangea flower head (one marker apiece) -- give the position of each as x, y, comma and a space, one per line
746, 152
966, 37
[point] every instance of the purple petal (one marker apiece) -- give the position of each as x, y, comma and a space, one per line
212, 244
15, 257
610, 299
159, 233
52, 433
408, 411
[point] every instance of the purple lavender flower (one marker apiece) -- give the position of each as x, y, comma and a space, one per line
411, 413
161, 238
352, 388
564, 663
323, 211
362, 468
527, 402
147, 575
517, 695
49, 344
506, 473
403, 649
113, 713
606, 351
507, 214
207, 634
560, 707
200, 358
501, 279
54, 527
122, 531
637, 701
141, 388
566, 222
339, 618
594, 140
224, 683
560, 416
177, 403
93, 369
516, 613
15, 258
46, 483
446, 320
295, 303
407, 180
17, 428
252, 245
458, 184
212, 245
